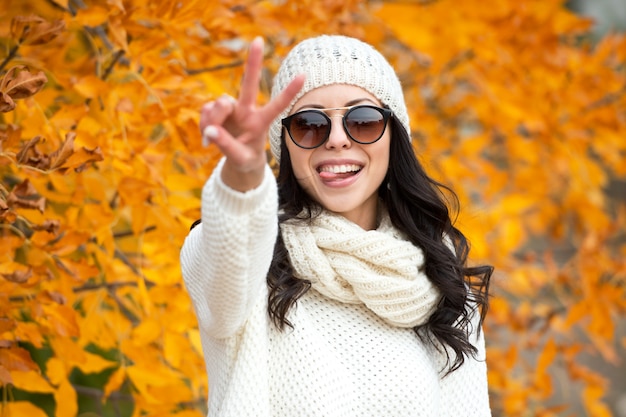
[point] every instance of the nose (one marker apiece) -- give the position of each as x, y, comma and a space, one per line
338, 138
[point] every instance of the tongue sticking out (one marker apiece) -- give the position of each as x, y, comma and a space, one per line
329, 176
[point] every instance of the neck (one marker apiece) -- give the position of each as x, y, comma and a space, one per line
366, 219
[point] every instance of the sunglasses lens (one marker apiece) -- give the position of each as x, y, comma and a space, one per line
365, 124
309, 129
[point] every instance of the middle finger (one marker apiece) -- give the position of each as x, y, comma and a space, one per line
216, 112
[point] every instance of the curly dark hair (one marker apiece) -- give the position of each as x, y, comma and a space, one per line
418, 207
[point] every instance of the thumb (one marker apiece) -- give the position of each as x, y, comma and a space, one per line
233, 149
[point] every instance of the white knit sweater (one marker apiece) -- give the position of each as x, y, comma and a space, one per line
340, 360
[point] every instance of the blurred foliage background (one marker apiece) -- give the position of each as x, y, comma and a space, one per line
520, 106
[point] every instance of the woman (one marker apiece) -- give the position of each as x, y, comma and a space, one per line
341, 288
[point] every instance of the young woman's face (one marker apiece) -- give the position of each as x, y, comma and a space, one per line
341, 175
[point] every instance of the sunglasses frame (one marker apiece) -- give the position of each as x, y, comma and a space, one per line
386, 113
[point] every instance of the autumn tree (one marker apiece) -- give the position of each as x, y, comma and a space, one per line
101, 166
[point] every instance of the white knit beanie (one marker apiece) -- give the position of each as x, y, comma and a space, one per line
335, 59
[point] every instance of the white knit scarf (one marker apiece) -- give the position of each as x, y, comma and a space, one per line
379, 268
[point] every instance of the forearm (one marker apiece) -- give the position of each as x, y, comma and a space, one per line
226, 259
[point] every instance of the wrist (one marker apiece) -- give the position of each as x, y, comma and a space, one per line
243, 179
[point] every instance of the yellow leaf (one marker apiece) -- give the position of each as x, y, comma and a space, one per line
173, 347
511, 233
115, 381
56, 371
21, 409
31, 381
66, 400
146, 332
94, 363
143, 378
196, 341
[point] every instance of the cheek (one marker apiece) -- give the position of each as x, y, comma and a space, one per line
380, 156
299, 165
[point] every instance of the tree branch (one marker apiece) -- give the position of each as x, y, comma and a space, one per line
10, 56
191, 71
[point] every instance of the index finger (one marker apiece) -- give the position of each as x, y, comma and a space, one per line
272, 109
252, 73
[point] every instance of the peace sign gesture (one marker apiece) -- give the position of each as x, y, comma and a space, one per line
239, 127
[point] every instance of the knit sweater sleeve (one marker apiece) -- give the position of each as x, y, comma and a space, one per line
225, 258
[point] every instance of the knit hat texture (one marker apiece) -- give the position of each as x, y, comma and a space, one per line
336, 59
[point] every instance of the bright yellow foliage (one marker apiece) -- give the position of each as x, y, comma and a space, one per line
101, 168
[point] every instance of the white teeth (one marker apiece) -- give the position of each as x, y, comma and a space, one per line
340, 169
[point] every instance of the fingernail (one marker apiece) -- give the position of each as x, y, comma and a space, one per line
229, 98
209, 133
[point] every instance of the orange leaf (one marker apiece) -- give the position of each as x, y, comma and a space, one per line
118, 31
26, 148
29, 332
5, 376
6, 102
64, 152
19, 82
16, 358
93, 15
592, 400
79, 159
542, 378
50, 226
24, 195
6, 324
91, 86
34, 30
119, 4
14, 272
62, 319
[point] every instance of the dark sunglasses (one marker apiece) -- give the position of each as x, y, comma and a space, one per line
309, 129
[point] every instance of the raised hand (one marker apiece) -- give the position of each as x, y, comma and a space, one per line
239, 127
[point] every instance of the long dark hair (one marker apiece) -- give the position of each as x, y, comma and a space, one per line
418, 207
